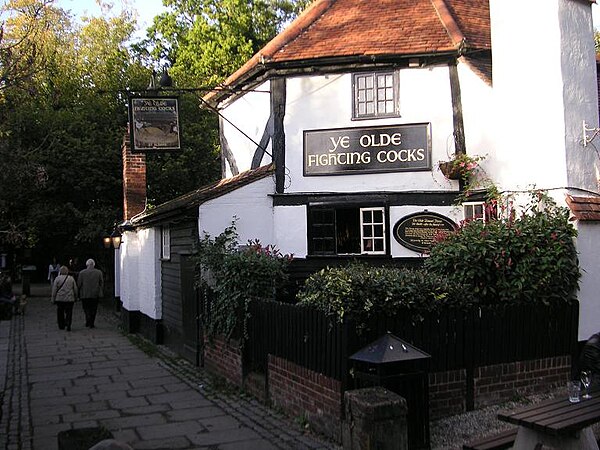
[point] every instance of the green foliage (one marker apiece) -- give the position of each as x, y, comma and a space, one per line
233, 276
358, 291
528, 259
207, 40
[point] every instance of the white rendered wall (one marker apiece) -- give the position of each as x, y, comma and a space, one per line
250, 113
252, 206
478, 119
580, 92
528, 94
588, 246
325, 102
291, 231
140, 272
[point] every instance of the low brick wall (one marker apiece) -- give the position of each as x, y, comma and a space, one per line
502, 382
494, 384
300, 392
447, 393
224, 359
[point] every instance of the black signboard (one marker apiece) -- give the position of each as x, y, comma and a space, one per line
419, 231
345, 151
154, 124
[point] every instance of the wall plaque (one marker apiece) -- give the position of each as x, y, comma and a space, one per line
419, 231
345, 151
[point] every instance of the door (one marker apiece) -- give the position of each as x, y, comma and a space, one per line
190, 311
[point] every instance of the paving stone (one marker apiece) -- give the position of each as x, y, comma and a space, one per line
219, 423
172, 429
130, 402
178, 442
135, 421
195, 413
145, 410
223, 437
146, 391
90, 415
259, 444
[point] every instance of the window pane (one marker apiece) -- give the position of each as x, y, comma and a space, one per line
378, 216
389, 80
360, 82
378, 229
369, 82
370, 108
348, 231
362, 109
367, 231
379, 247
367, 216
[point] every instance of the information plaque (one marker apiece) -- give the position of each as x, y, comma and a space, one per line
419, 231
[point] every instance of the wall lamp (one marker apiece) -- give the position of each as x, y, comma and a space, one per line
113, 240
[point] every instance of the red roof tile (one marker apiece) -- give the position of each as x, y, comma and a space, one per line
359, 28
584, 208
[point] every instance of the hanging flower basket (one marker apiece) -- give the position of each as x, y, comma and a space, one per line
450, 170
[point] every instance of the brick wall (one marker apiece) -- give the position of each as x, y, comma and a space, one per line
502, 382
134, 181
300, 392
494, 384
223, 359
447, 393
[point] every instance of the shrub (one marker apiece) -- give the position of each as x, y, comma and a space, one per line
236, 275
528, 259
358, 292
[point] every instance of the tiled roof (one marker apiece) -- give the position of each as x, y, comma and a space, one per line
202, 195
368, 28
584, 208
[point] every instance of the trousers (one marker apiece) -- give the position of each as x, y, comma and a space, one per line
64, 314
90, 307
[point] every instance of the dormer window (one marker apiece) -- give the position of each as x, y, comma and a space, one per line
375, 95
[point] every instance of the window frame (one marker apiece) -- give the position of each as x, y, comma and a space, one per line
165, 243
314, 237
395, 89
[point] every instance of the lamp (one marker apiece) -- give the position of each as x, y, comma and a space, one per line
106, 240
115, 239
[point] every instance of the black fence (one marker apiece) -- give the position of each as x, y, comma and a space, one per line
454, 338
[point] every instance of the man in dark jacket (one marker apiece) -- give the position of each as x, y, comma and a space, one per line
91, 288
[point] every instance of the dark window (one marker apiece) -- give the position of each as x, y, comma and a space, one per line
346, 231
375, 95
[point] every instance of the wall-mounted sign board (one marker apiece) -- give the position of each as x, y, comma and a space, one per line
346, 151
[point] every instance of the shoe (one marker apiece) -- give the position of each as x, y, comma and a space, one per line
61, 328
68, 328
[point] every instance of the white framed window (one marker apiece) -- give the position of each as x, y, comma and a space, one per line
372, 227
474, 211
165, 240
347, 230
376, 94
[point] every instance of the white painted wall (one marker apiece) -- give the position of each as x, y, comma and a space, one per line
528, 91
252, 206
250, 113
578, 57
140, 272
588, 246
325, 102
290, 227
478, 119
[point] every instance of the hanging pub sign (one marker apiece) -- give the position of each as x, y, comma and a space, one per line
154, 124
345, 151
420, 231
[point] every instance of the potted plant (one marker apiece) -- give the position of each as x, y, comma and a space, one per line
461, 166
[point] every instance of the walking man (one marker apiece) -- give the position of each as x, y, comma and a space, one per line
91, 287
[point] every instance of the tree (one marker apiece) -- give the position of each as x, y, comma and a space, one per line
207, 40
62, 126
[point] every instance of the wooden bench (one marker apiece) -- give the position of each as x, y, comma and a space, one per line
499, 441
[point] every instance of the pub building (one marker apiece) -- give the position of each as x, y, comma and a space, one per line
332, 137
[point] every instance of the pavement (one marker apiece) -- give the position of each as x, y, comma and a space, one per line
52, 380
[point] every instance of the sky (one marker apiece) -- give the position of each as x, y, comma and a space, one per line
146, 9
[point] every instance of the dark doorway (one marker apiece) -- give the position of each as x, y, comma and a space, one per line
190, 311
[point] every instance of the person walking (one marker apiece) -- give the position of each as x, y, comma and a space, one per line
64, 295
53, 270
91, 287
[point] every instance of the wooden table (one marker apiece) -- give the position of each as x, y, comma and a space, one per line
556, 424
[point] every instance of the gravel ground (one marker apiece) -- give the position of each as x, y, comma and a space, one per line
452, 432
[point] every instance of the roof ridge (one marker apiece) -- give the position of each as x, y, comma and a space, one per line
447, 19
